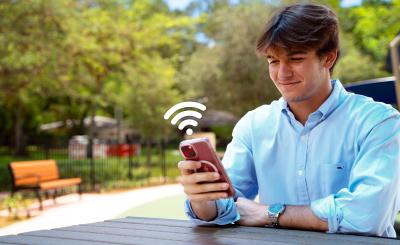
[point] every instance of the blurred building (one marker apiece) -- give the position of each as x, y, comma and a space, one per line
105, 128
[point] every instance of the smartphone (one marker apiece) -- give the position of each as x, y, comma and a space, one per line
200, 149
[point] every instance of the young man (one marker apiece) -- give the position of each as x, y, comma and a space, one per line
319, 158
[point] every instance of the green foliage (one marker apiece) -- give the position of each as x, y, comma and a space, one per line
354, 66
232, 78
15, 203
375, 24
223, 132
29, 45
109, 172
69, 59
228, 72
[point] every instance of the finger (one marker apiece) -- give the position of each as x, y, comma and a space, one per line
195, 178
205, 188
207, 196
187, 167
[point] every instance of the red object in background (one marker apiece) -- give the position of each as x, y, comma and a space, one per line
123, 150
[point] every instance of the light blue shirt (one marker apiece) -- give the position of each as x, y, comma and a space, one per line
344, 162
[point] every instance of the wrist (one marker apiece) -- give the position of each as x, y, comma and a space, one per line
204, 210
274, 213
262, 219
268, 220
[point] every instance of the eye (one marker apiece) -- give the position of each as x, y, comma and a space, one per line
273, 61
297, 58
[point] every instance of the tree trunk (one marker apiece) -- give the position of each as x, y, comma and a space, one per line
19, 136
148, 152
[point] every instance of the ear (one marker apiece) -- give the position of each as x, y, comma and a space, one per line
330, 59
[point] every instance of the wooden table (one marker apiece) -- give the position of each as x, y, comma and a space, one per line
133, 230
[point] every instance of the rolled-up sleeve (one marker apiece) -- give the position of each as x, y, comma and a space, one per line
370, 202
226, 209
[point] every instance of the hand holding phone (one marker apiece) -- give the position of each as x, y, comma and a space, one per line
200, 150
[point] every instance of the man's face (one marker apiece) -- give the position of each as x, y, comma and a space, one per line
298, 75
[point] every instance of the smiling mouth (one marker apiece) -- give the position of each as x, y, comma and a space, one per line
288, 84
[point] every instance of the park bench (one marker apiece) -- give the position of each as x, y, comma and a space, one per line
39, 175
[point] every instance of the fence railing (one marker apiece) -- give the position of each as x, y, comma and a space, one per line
110, 165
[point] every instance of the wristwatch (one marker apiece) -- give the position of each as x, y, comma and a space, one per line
274, 211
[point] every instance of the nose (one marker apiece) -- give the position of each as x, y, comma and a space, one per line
284, 72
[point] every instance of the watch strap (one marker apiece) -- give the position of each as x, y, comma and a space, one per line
274, 212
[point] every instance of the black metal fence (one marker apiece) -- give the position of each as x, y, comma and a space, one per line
108, 166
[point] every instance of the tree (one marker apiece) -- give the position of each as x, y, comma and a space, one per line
374, 25
355, 66
163, 40
228, 71
30, 36
70, 59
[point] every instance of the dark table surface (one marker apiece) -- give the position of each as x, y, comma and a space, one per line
150, 231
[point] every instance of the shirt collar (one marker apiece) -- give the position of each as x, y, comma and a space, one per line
329, 104
333, 100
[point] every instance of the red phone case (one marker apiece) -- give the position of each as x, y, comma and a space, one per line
204, 152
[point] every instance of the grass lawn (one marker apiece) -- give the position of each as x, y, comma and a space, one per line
167, 208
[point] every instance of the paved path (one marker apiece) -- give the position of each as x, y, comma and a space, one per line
69, 210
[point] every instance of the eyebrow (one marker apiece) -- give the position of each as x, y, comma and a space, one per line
290, 53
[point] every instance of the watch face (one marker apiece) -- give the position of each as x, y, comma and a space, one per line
276, 208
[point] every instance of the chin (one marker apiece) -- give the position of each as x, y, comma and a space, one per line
295, 98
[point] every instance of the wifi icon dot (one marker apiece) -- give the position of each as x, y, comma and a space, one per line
182, 116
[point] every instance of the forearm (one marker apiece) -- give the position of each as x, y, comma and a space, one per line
301, 217
206, 210
295, 217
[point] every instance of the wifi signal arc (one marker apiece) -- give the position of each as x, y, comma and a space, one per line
187, 122
183, 114
183, 105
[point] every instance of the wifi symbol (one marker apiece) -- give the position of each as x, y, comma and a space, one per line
187, 113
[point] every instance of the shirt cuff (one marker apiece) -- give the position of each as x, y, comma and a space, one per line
227, 213
327, 210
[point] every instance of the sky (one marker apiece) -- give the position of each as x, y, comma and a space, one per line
177, 4
181, 4
348, 3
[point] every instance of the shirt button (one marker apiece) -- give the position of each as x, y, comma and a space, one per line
300, 173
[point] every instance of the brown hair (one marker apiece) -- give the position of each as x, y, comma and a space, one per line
302, 26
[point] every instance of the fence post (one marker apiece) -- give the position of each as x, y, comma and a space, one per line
46, 150
163, 165
90, 149
129, 142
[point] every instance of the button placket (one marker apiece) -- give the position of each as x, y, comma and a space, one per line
301, 158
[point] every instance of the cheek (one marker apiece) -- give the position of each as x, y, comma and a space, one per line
304, 72
272, 73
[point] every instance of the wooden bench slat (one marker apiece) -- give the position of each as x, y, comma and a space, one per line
39, 175
43, 170
59, 183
